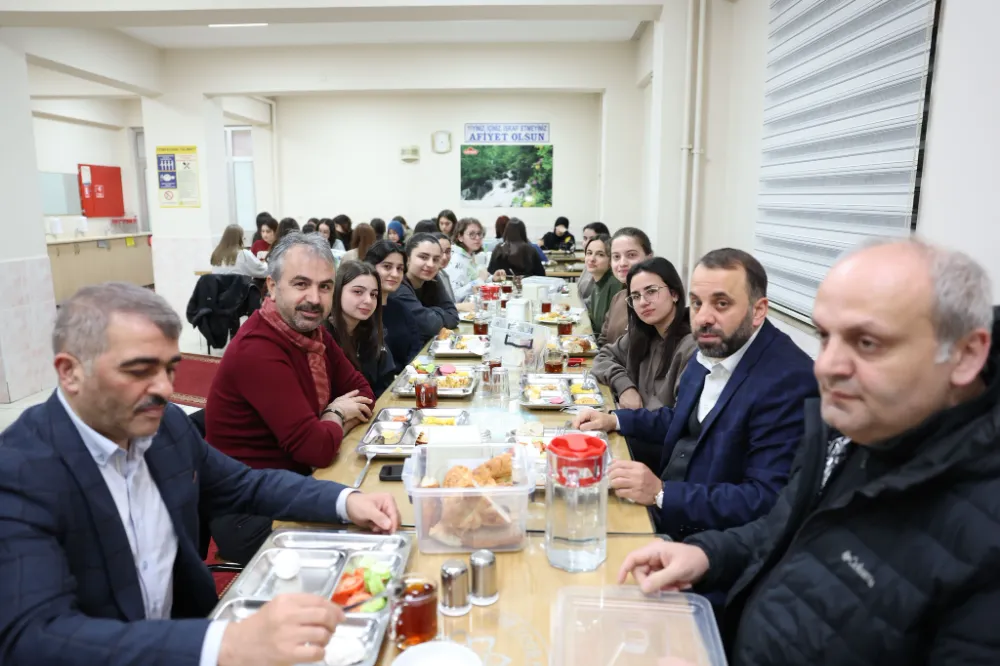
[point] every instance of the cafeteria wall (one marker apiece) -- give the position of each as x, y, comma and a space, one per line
341, 153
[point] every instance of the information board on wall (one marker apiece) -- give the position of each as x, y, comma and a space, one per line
177, 171
511, 134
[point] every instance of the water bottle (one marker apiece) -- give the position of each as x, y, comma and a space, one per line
576, 503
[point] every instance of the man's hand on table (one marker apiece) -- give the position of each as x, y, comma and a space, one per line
289, 629
376, 512
591, 419
665, 566
354, 407
634, 481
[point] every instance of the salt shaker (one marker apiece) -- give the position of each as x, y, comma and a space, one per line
454, 598
484, 578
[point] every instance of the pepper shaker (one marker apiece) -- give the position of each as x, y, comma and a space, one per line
484, 578
454, 598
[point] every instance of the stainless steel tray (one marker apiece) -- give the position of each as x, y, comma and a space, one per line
403, 387
445, 349
565, 340
378, 430
347, 542
460, 415
390, 414
470, 432
319, 572
555, 387
396, 563
595, 392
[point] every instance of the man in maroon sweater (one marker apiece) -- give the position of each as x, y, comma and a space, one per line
270, 403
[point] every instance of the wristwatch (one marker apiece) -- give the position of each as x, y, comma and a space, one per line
339, 414
659, 499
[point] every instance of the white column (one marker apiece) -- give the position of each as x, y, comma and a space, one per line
184, 237
27, 301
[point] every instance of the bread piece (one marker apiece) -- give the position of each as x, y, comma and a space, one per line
444, 334
445, 536
459, 476
499, 467
502, 537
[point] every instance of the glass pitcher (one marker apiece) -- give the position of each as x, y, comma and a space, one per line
576, 503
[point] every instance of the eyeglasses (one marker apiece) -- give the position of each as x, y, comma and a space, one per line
650, 294
474, 234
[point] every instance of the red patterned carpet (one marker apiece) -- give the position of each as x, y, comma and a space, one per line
194, 378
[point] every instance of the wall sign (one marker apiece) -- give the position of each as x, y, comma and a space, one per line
507, 133
177, 171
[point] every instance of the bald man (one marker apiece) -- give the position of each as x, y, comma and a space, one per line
884, 548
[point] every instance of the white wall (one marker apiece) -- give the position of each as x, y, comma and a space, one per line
340, 154
958, 204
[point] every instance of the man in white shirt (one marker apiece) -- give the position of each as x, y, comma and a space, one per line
729, 441
101, 492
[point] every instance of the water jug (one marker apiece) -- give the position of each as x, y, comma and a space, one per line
576, 503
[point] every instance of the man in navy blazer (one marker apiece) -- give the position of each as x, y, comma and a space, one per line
101, 488
729, 441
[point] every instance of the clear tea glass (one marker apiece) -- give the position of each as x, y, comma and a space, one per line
555, 361
426, 389
415, 614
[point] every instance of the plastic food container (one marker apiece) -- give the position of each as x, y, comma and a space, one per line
615, 626
456, 509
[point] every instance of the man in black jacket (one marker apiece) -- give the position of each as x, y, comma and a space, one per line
884, 548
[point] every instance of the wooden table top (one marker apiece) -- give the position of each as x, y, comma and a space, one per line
623, 517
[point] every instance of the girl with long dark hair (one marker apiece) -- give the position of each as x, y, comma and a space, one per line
446, 222
629, 246
516, 255
401, 335
356, 323
268, 233
421, 293
362, 238
327, 231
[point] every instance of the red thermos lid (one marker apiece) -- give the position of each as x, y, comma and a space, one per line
582, 453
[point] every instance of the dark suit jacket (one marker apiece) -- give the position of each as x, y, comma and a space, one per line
70, 593
747, 442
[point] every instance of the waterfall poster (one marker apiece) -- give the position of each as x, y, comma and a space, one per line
507, 166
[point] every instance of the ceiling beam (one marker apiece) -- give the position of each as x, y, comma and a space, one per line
155, 13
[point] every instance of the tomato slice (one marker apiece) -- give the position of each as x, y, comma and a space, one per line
358, 598
350, 585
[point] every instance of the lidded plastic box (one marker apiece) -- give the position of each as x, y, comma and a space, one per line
456, 509
619, 626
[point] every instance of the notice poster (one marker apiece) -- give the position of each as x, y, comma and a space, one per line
177, 172
506, 165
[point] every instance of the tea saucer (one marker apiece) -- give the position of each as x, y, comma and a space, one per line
436, 653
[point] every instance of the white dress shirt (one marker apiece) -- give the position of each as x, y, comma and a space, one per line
719, 372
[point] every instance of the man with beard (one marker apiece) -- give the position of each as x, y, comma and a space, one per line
102, 488
729, 441
884, 548
285, 394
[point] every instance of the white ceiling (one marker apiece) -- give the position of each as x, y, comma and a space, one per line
413, 32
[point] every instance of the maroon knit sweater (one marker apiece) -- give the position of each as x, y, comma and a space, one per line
262, 408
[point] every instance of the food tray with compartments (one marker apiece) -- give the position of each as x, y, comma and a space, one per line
460, 384
460, 346
553, 317
547, 393
410, 416
586, 392
578, 345
325, 557
439, 426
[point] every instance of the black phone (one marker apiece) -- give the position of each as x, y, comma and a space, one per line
391, 473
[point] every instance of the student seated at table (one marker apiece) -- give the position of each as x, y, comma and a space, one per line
229, 256
515, 256
101, 491
467, 268
287, 226
361, 239
284, 394
446, 222
401, 335
559, 238
342, 227
446, 248
326, 229
597, 256
268, 233
421, 293
585, 284
729, 441
378, 226
395, 231
356, 323
644, 366
629, 246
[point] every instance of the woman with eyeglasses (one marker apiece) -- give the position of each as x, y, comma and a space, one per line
643, 367
467, 269
597, 256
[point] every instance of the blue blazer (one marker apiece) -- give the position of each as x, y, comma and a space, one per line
747, 442
69, 592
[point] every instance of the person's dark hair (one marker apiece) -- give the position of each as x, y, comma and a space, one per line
515, 247
401, 220
461, 228
729, 259
332, 237
378, 226
362, 238
367, 341
271, 224
381, 249
309, 228
599, 228
261, 218
430, 294
285, 227
561, 221
501, 225
345, 222
440, 235
313, 221
641, 334
448, 215
426, 227
637, 234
